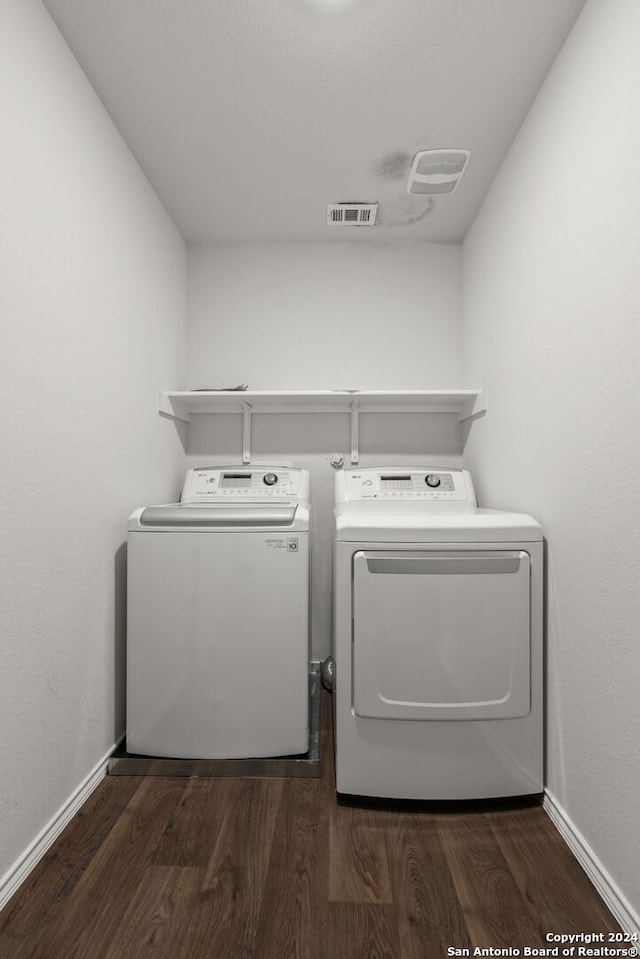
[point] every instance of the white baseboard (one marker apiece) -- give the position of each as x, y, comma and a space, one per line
19, 871
619, 905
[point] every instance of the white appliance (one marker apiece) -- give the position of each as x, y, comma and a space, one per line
438, 642
218, 617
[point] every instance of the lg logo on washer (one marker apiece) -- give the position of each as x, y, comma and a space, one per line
290, 543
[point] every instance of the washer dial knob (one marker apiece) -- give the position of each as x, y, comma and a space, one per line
432, 480
270, 479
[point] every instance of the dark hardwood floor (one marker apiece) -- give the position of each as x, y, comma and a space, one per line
272, 868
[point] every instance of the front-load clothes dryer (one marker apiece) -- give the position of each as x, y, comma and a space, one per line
437, 639
218, 618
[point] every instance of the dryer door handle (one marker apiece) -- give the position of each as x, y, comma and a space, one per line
445, 563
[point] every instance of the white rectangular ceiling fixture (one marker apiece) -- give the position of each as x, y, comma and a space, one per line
351, 214
437, 172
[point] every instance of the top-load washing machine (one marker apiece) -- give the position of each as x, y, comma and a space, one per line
218, 618
438, 639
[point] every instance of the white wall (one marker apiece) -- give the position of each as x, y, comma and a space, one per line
92, 305
324, 316
321, 316
552, 302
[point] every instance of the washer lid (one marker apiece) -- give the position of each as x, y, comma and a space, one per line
229, 516
482, 526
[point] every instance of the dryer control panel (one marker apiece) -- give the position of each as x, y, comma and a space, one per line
411, 487
253, 484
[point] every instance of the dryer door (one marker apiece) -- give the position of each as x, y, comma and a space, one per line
442, 634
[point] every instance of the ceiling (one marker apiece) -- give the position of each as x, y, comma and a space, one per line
250, 116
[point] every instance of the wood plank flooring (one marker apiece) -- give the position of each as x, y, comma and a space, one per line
160, 868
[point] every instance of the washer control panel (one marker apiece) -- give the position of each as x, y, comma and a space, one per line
242, 483
412, 485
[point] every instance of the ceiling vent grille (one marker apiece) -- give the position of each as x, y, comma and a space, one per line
437, 172
352, 214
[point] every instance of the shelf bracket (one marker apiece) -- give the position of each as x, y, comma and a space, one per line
355, 433
171, 408
473, 406
246, 432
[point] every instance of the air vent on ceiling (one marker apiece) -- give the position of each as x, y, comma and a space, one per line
351, 214
437, 172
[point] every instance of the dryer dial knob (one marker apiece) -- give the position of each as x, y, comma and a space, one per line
270, 479
432, 480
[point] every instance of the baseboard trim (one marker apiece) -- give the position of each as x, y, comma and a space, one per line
619, 905
18, 872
